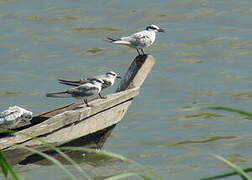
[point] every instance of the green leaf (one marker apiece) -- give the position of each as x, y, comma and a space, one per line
236, 168
53, 148
226, 174
6, 168
53, 160
244, 113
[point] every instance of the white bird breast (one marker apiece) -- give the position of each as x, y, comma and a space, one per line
143, 39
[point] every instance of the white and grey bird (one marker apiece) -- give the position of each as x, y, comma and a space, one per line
14, 115
108, 78
89, 88
139, 40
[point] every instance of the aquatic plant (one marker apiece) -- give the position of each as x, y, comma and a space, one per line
237, 170
238, 111
8, 171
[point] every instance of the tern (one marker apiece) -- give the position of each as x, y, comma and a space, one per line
139, 40
89, 88
108, 78
14, 115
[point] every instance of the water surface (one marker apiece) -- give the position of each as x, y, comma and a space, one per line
203, 60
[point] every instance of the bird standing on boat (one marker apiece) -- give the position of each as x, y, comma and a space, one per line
14, 115
108, 78
89, 88
139, 40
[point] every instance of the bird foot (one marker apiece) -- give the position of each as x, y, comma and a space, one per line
103, 97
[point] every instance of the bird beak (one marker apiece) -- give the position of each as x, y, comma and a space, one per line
161, 30
119, 77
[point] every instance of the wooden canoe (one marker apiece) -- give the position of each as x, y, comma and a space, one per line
76, 124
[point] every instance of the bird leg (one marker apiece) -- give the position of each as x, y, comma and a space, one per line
142, 51
138, 52
102, 97
86, 102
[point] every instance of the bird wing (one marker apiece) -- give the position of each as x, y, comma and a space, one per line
86, 80
86, 89
106, 80
70, 83
73, 83
141, 38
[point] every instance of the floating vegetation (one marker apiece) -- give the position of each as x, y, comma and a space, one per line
80, 29
35, 18
241, 44
236, 158
238, 111
204, 115
9, 93
91, 51
197, 141
63, 18
54, 19
210, 139
94, 50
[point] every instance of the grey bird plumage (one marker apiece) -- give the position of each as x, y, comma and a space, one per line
139, 40
82, 91
108, 78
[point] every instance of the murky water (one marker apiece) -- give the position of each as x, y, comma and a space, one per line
203, 60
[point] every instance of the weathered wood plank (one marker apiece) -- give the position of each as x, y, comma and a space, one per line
88, 126
83, 128
69, 117
19, 155
137, 72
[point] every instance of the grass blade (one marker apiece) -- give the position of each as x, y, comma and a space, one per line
6, 168
53, 148
4, 165
73, 163
58, 150
226, 174
236, 168
100, 152
53, 160
244, 113
125, 175
115, 156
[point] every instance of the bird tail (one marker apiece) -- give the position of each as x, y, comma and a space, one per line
117, 41
111, 40
62, 94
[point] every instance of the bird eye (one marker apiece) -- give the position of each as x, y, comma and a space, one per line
151, 27
111, 73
